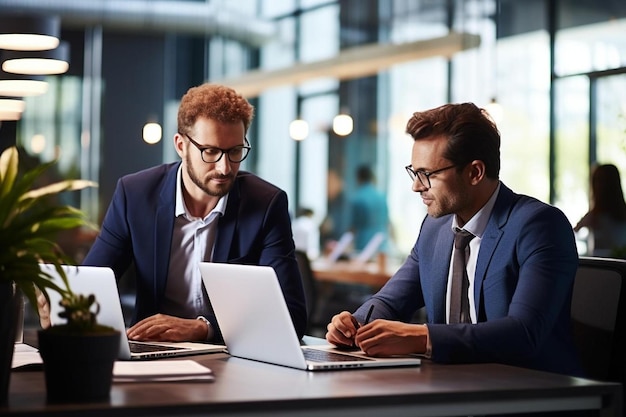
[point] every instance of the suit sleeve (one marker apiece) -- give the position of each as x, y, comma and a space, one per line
113, 246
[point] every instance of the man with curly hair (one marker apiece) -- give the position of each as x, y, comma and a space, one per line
166, 219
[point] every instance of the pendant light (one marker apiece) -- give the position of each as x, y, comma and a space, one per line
49, 62
29, 33
19, 85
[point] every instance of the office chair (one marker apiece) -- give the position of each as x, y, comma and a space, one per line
310, 287
599, 317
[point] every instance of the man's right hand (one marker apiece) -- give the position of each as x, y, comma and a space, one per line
342, 330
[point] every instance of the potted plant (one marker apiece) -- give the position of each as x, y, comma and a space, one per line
29, 222
78, 356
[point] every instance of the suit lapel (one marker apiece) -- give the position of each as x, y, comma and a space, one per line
489, 242
164, 226
439, 270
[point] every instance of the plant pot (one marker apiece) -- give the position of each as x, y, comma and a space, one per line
9, 312
78, 368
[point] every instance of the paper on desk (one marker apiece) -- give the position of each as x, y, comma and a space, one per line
24, 356
161, 371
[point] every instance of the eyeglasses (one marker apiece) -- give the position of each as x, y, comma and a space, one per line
211, 154
424, 176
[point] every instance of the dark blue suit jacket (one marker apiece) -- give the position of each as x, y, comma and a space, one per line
523, 287
138, 226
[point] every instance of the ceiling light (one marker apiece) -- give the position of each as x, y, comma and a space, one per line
18, 85
12, 105
10, 115
343, 124
29, 33
152, 133
298, 129
50, 62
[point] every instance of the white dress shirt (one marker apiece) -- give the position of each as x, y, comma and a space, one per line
193, 241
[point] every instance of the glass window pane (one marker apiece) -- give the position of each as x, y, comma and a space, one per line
594, 47
572, 156
611, 122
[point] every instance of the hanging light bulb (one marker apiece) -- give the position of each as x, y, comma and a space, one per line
343, 124
38, 143
298, 129
495, 110
152, 133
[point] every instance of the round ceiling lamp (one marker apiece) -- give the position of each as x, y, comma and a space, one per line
50, 62
19, 85
10, 115
298, 129
343, 124
12, 105
29, 33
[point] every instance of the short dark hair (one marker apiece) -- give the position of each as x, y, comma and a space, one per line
471, 133
216, 102
364, 174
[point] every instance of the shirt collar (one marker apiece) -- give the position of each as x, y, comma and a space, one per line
478, 223
181, 207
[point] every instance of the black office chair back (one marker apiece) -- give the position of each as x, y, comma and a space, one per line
598, 317
308, 282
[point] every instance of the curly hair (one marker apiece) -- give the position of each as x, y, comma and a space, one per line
216, 102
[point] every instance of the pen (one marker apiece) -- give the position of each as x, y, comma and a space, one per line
369, 314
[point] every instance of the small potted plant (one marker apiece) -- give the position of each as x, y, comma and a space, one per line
29, 224
78, 356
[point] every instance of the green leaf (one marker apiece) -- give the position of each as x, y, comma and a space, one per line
29, 224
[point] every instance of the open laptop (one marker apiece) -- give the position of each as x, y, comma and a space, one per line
101, 282
255, 322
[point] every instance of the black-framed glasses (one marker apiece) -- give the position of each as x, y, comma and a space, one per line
424, 176
211, 154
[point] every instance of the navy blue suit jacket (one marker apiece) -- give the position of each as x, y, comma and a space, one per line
523, 287
255, 229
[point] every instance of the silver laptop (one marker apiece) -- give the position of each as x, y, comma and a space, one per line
101, 282
255, 322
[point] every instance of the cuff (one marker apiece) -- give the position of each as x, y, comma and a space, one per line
429, 348
209, 333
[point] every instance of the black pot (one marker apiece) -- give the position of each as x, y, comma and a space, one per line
9, 312
78, 368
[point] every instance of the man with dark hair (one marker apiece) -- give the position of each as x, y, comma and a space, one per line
504, 296
166, 219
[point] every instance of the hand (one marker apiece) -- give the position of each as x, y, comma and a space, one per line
387, 338
164, 328
342, 329
43, 309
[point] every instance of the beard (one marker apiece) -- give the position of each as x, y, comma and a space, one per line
451, 203
214, 190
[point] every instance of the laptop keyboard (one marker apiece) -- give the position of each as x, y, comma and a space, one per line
317, 355
146, 347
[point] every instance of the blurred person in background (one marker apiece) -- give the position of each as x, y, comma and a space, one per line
606, 219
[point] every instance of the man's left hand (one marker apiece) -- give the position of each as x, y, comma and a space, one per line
386, 338
164, 328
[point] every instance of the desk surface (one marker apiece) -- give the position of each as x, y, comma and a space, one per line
346, 272
244, 387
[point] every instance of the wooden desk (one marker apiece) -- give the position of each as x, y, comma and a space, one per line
246, 388
350, 273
